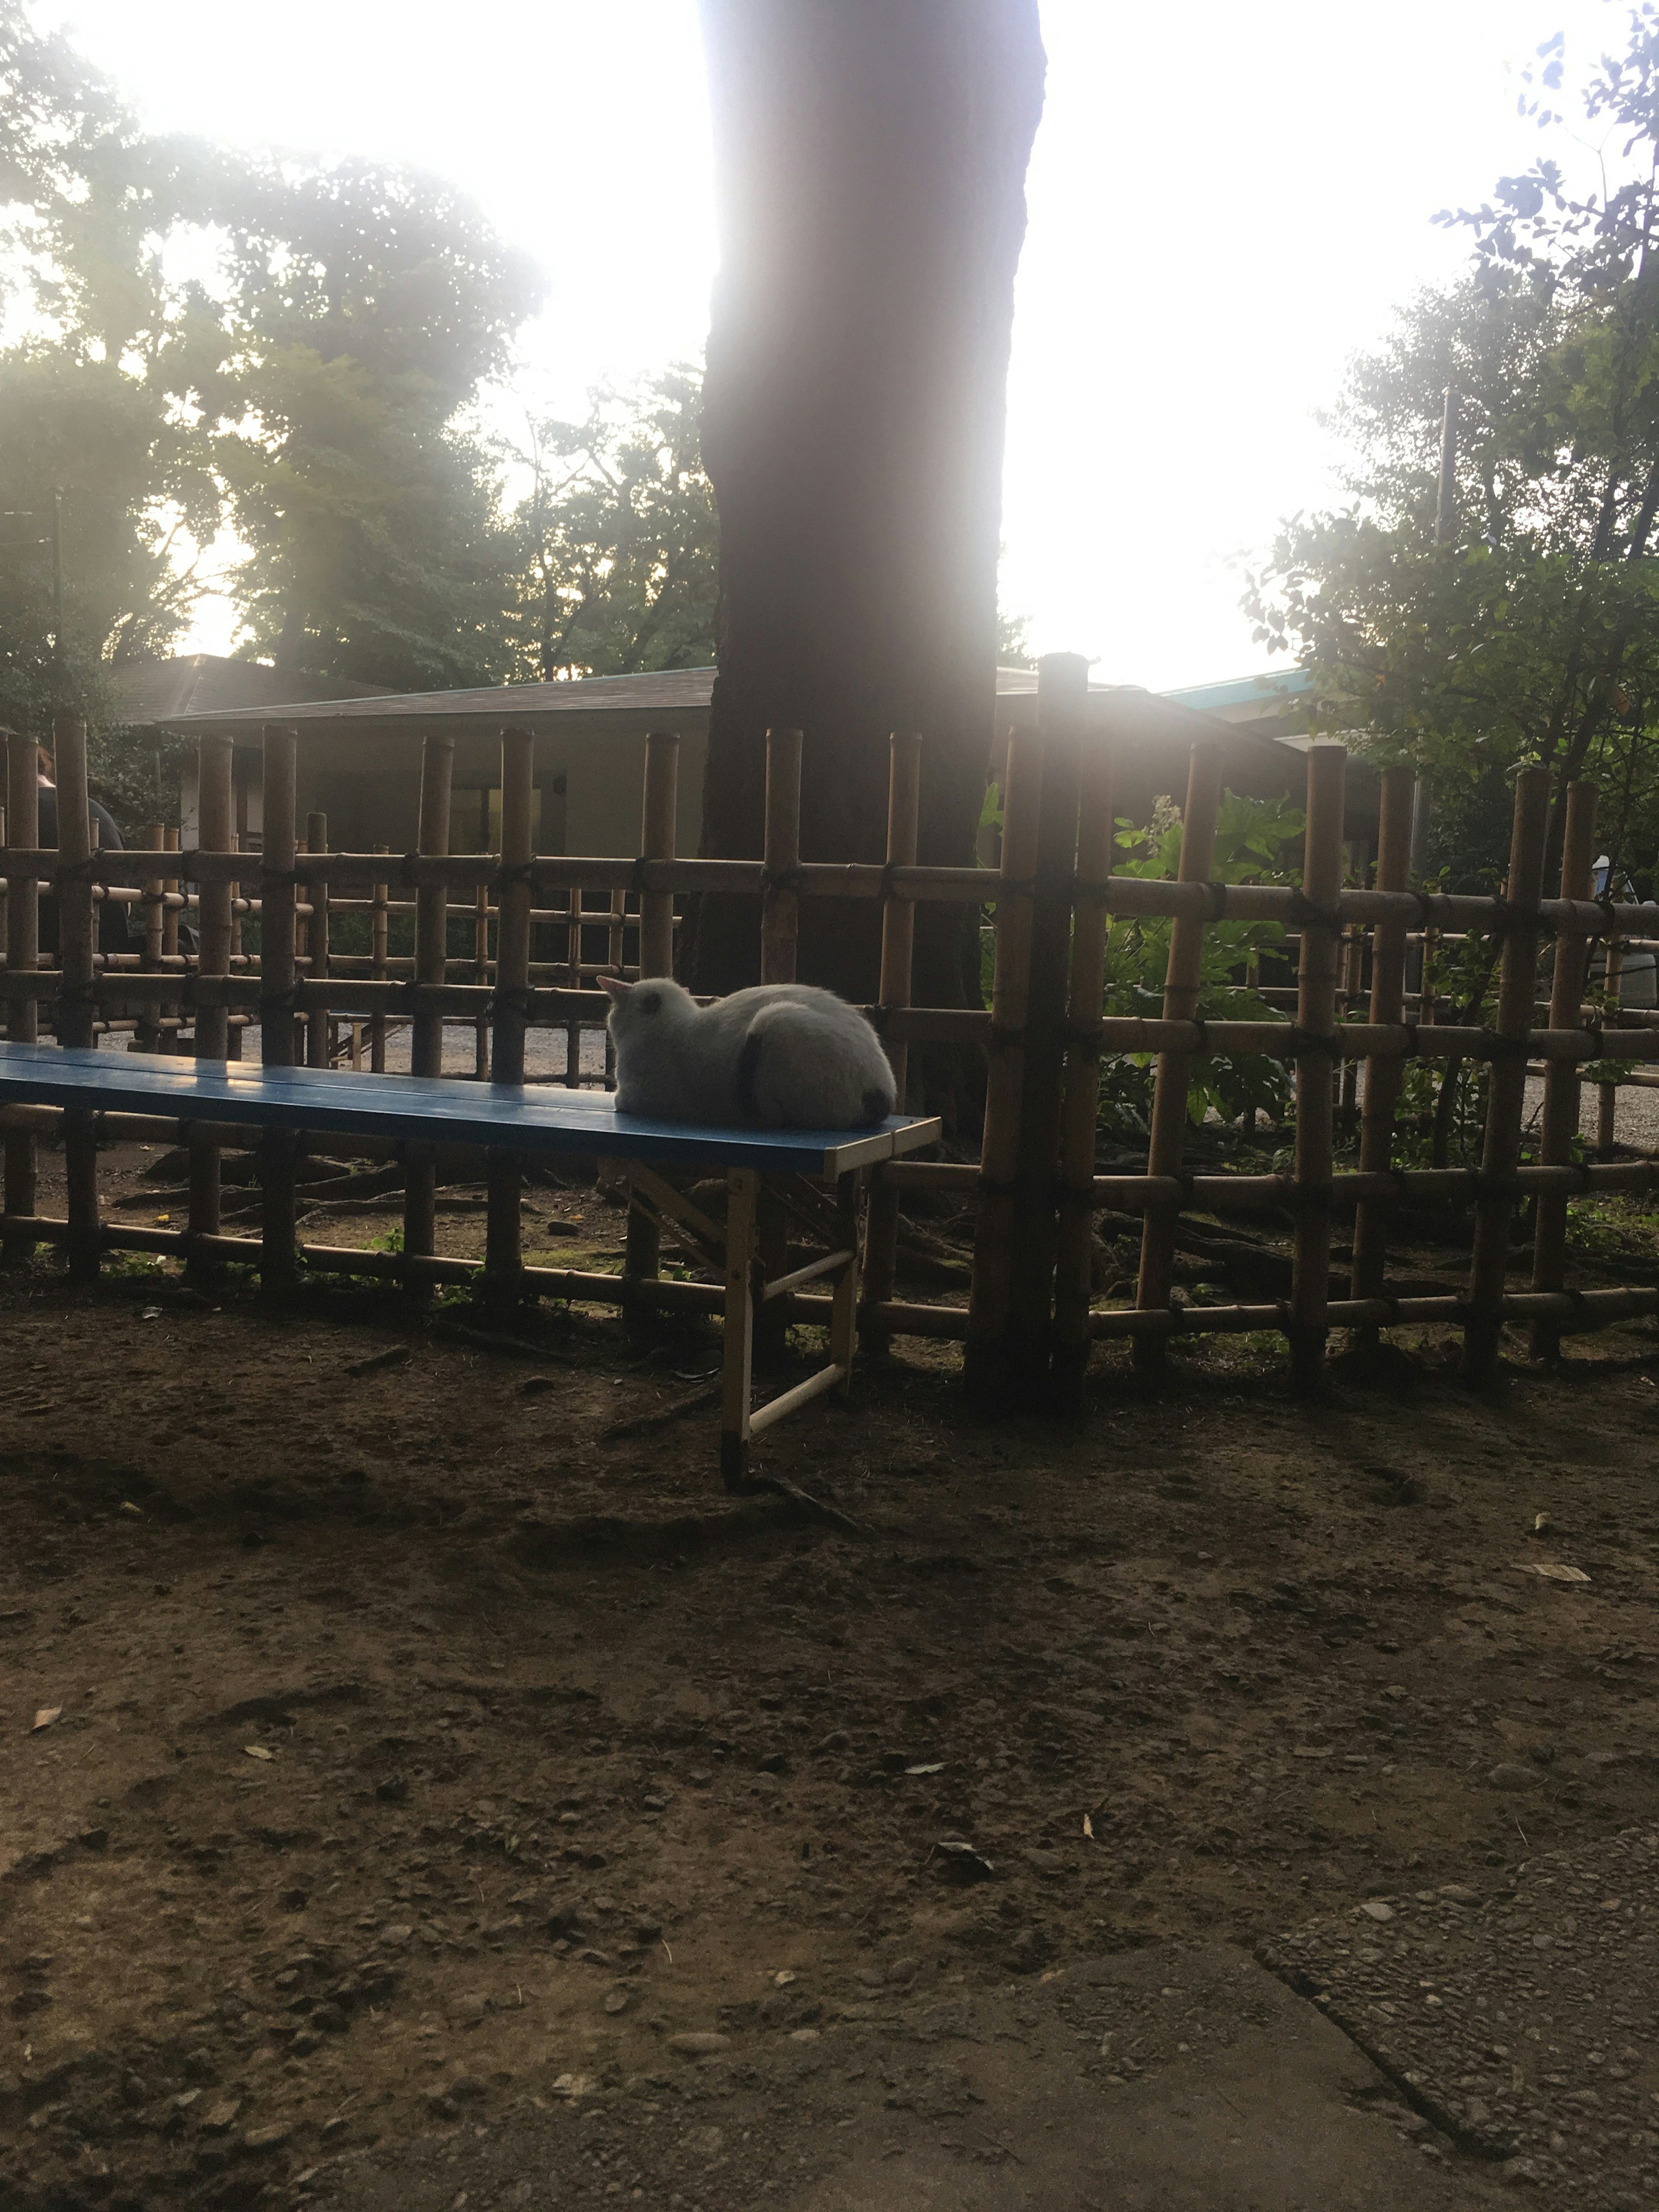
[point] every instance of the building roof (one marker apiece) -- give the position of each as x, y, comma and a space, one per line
161, 691
665, 692
1270, 692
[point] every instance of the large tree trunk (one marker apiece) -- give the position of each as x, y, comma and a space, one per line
870, 162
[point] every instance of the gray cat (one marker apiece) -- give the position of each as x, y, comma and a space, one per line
786, 1055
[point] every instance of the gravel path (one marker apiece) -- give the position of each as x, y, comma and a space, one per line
1521, 2020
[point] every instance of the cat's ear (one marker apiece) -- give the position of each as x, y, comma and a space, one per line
614, 986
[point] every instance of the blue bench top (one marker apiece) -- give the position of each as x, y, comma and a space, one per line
439, 1110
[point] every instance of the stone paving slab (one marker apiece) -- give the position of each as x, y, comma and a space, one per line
1172, 2079
1522, 2019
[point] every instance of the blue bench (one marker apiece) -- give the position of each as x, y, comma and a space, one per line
532, 1122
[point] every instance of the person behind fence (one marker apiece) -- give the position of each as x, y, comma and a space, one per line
786, 1056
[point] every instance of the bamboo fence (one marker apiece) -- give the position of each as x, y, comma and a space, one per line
1031, 1318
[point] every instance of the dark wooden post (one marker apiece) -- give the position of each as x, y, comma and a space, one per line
503, 1245
1182, 975
1506, 1099
22, 959
77, 999
1562, 1089
1062, 696
989, 1359
213, 835
277, 899
642, 1257
1080, 1107
1384, 1073
898, 936
1318, 970
317, 1022
431, 947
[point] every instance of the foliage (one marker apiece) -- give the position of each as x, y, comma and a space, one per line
617, 541
1531, 633
309, 386
1251, 836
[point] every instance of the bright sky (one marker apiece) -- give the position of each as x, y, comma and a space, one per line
1226, 201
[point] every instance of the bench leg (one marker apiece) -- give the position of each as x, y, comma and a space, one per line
844, 1309
742, 1201
279, 1270
81, 1177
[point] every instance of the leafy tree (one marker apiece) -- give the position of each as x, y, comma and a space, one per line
366, 306
313, 393
618, 538
1528, 629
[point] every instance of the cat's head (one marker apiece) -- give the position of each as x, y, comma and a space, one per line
645, 1009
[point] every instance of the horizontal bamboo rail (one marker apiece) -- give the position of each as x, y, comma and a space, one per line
1044, 1046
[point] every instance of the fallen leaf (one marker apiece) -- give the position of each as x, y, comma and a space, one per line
44, 1719
258, 1751
936, 1767
151, 1313
1553, 1572
1088, 1827
127, 1506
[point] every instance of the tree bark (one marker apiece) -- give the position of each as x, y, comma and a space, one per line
870, 164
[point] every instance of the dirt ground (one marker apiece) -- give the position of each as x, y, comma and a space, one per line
436, 1751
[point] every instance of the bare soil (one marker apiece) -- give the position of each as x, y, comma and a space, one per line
433, 1752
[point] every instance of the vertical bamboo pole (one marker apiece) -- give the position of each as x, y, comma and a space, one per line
1562, 1087
1506, 1100
317, 1055
481, 976
1384, 1075
377, 950
988, 1357
658, 824
75, 1005
213, 899
426, 1055
235, 1023
1316, 976
277, 898
780, 900
149, 1031
22, 958
1181, 975
170, 1008
613, 957
1354, 980
1606, 1094
1062, 700
213, 833
1080, 1104
503, 1245
898, 937
573, 979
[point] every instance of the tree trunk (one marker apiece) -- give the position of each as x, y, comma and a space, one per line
870, 162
